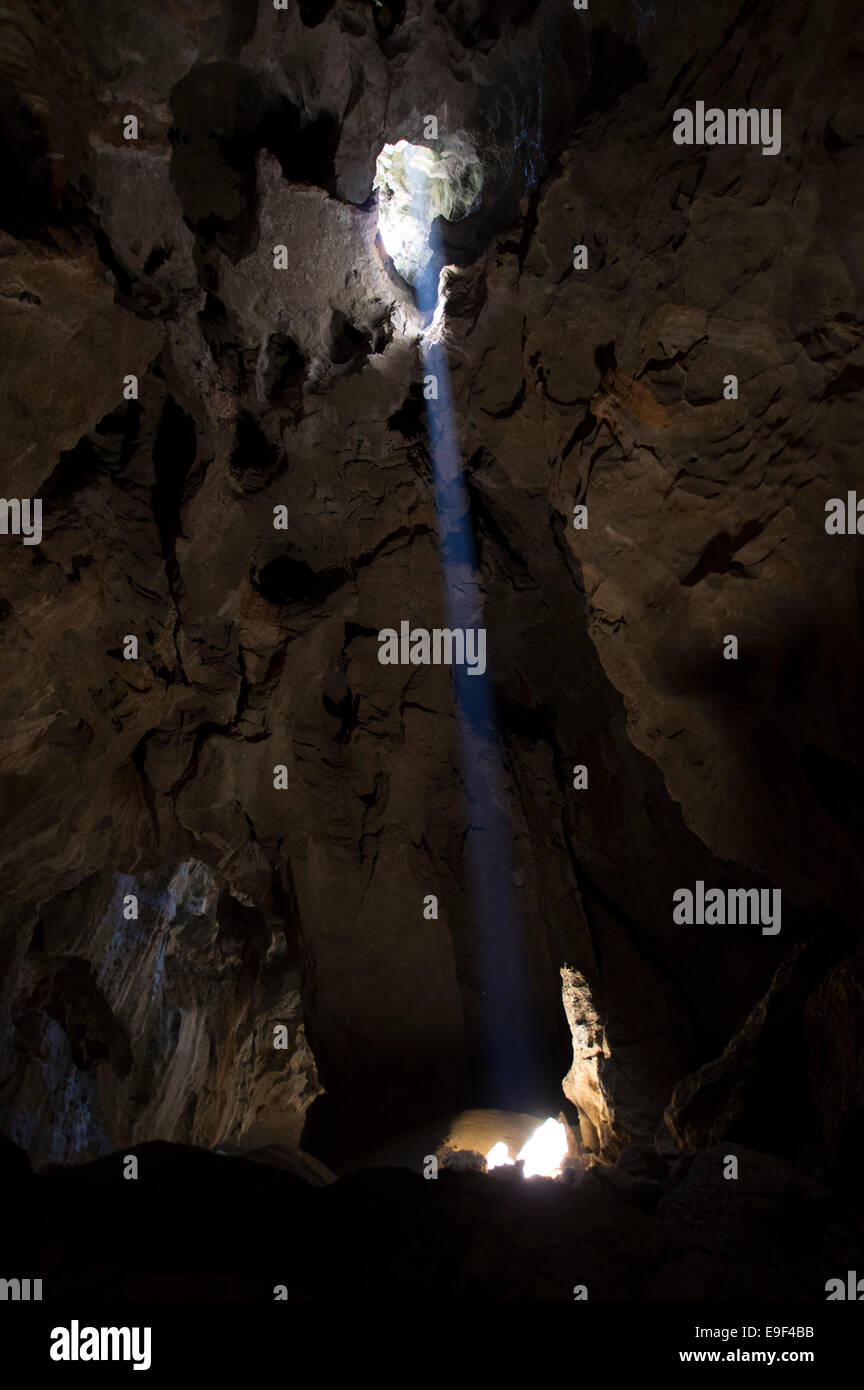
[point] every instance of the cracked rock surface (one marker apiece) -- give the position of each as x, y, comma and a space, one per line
300, 388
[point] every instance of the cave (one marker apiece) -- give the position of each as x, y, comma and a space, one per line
422, 419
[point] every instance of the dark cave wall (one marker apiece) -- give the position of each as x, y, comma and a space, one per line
158, 1025
260, 388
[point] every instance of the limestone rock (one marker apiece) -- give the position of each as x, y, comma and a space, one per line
282, 802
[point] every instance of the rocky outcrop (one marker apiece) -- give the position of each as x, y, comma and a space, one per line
753, 1093
184, 1021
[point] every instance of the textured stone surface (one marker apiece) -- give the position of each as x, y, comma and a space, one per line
160, 1027
302, 388
754, 1093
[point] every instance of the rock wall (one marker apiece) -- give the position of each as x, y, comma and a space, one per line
301, 388
162, 1025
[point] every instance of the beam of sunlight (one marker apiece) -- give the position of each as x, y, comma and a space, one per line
508, 1036
415, 186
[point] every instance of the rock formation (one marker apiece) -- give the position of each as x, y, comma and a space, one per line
214, 382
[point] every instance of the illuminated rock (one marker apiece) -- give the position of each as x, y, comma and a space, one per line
415, 185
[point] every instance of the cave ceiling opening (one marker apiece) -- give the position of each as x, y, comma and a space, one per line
416, 185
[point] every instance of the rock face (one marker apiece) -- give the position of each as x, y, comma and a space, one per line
159, 1027
215, 385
